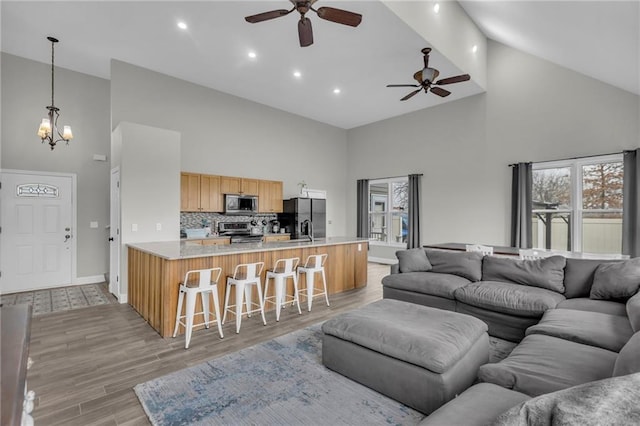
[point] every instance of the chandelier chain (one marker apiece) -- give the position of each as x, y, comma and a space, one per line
52, 75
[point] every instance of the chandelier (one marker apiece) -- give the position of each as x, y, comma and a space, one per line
48, 130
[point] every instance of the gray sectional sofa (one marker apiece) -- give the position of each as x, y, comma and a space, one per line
576, 321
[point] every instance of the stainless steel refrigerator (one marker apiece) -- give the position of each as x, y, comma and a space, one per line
301, 216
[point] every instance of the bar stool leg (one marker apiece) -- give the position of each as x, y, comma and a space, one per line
205, 308
296, 295
179, 312
248, 296
216, 306
324, 283
278, 283
226, 302
239, 294
191, 308
264, 320
310, 285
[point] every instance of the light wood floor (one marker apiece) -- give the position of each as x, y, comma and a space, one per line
86, 361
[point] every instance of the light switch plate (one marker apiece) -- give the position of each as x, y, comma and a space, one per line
134, 227
93, 224
158, 227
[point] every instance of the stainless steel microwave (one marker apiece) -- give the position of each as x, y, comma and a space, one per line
240, 204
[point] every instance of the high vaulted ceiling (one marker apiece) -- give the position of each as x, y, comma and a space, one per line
599, 39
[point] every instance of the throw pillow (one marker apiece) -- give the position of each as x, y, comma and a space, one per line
547, 273
619, 280
612, 401
413, 260
628, 361
462, 263
633, 312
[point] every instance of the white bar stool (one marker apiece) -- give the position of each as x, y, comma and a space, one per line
281, 272
313, 265
206, 285
244, 278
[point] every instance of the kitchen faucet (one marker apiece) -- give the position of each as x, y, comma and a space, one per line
309, 228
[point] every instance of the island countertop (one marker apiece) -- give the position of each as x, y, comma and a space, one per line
174, 250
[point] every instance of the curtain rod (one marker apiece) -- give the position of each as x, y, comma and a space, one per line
395, 177
572, 158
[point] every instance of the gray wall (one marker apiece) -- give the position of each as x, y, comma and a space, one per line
226, 135
532, 111
84, 104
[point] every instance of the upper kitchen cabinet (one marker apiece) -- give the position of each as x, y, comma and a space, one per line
236, 185
200, 193
270, 196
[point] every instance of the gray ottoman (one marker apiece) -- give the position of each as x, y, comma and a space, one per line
420, 356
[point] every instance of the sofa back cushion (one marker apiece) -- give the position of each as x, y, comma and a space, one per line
633, 312
545, 273
578, 276
618, 280
413, 260
461, 263
628, 361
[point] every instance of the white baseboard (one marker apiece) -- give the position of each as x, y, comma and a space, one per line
93, 279
382, 260
122, 298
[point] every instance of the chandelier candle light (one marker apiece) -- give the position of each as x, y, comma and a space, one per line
49, 127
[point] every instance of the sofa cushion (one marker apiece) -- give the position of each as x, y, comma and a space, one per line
619, 280
603, 306
507, 298
477, 406
542, 364
432, 283
611, 401
413, 260
427, 337
628, 360
633, 311
544, 273
578, 276
590, 328
461, 263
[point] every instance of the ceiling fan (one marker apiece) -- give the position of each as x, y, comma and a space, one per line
305, 33
426, 76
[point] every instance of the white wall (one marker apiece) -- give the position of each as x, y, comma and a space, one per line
149, 187
532, 111
84, 104
227, 135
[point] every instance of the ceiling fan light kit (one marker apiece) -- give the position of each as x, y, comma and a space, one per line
305, 31
426, 80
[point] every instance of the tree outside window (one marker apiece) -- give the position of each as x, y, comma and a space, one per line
388, 211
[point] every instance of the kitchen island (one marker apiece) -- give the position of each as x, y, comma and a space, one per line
155, 270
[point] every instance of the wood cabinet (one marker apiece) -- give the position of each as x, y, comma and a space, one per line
272, 238
216, 241
238, 185
200, 193
270, 196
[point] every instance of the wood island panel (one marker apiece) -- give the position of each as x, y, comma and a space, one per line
154, 281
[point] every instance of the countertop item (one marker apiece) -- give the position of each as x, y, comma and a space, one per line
173, 250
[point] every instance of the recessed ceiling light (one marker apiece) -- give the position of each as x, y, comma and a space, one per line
252, 55
475, 48
297, 74
336, 90
436, 8
182, 25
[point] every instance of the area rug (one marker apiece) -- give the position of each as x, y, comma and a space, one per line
281, 381
60, 299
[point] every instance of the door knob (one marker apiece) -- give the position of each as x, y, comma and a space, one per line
66, 237
110, 238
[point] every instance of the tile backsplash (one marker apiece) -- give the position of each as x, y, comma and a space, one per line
200, 220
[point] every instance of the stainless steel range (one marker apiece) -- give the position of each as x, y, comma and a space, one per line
240, 232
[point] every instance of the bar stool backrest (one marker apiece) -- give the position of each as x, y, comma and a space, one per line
206, 277
315, 261
248, 271
286, 266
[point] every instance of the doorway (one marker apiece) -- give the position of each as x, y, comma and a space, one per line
37, 222
114, 234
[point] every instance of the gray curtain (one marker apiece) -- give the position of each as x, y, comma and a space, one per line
630, 210
415, 189
521, 183
362, 225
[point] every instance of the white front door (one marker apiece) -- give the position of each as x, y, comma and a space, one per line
114, 234
36, 239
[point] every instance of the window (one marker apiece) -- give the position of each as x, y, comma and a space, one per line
388, 211
577, 205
